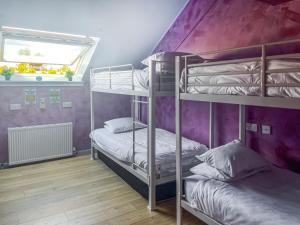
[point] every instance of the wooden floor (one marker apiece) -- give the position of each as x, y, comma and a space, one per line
75, 191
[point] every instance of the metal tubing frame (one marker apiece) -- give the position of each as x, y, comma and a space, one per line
241, 100
242, 123
131, 91
151, 94
152, 135
92, 116
212, 121
178, 144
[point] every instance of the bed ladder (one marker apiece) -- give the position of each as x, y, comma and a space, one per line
136, 120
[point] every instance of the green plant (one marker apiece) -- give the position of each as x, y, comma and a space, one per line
69, 74
39, 78
7, 73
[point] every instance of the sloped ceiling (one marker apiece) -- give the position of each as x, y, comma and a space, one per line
129, 29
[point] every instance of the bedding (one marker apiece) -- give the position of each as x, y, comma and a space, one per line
267, 198
128, 79
120, 146
245, 83
120, 125
234, 160
168, 57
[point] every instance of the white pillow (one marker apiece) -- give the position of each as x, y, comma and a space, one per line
120, 125
212, 173
234, 160
209, 172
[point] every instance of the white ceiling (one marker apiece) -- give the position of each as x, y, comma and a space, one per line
129, 29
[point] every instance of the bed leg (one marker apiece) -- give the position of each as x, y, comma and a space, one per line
179, 216
93, 153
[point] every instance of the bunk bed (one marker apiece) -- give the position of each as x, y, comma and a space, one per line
145, 156
269, 81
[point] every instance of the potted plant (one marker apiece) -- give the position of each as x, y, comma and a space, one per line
7, 73
38, 78
69, 74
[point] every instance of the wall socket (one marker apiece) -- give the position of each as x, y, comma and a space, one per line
67, 104
266, 129
15, 107
251, 127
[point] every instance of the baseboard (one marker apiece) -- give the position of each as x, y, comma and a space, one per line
3, 165
83, 152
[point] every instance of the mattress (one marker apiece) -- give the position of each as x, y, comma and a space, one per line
120, 146
132, 79
267, 198
245, 79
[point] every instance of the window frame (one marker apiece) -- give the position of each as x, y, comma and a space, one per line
49, 37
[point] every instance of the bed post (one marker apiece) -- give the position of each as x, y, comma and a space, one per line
242, 123
92, 114
151, 136
212, 125
263, 71
178, 145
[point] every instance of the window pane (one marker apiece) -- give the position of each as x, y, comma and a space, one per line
40, 52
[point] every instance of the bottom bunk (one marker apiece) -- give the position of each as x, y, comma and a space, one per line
233, 185
131, 162
163, 191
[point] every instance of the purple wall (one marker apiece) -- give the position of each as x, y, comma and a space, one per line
207, 25
106, 107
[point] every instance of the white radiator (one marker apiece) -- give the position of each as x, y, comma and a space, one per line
36, 143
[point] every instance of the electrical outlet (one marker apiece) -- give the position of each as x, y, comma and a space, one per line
251, 127
67, 104
265, 129
15, 107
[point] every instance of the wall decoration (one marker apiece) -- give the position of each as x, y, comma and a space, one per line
54, 95
30, 96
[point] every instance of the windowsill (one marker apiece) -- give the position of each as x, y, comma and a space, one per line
41, 83
48, 80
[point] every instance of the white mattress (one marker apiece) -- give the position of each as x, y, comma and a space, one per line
246, 83
267, 198
123, 80
120, 146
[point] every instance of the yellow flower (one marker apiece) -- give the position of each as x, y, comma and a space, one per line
52, 71
22, 67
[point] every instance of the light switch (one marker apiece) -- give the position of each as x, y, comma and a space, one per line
67, 104
251, 127
14, 107
42, 103
265, 129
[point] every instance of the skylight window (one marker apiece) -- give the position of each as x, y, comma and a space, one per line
31, 54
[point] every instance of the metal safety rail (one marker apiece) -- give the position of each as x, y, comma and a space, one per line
183, 65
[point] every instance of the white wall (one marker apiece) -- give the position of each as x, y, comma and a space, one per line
128, 29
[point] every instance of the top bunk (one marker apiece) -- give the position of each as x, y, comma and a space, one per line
270, 77
157, 78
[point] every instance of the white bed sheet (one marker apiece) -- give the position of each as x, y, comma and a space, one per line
244, 84
267, 198
120, 146
122, 79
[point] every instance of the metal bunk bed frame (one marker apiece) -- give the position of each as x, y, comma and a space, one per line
242, 101
148, 177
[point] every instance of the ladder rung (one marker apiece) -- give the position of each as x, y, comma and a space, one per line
143, 102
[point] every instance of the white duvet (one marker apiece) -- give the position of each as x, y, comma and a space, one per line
120, 146
246, 83
129, 79
267, 198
